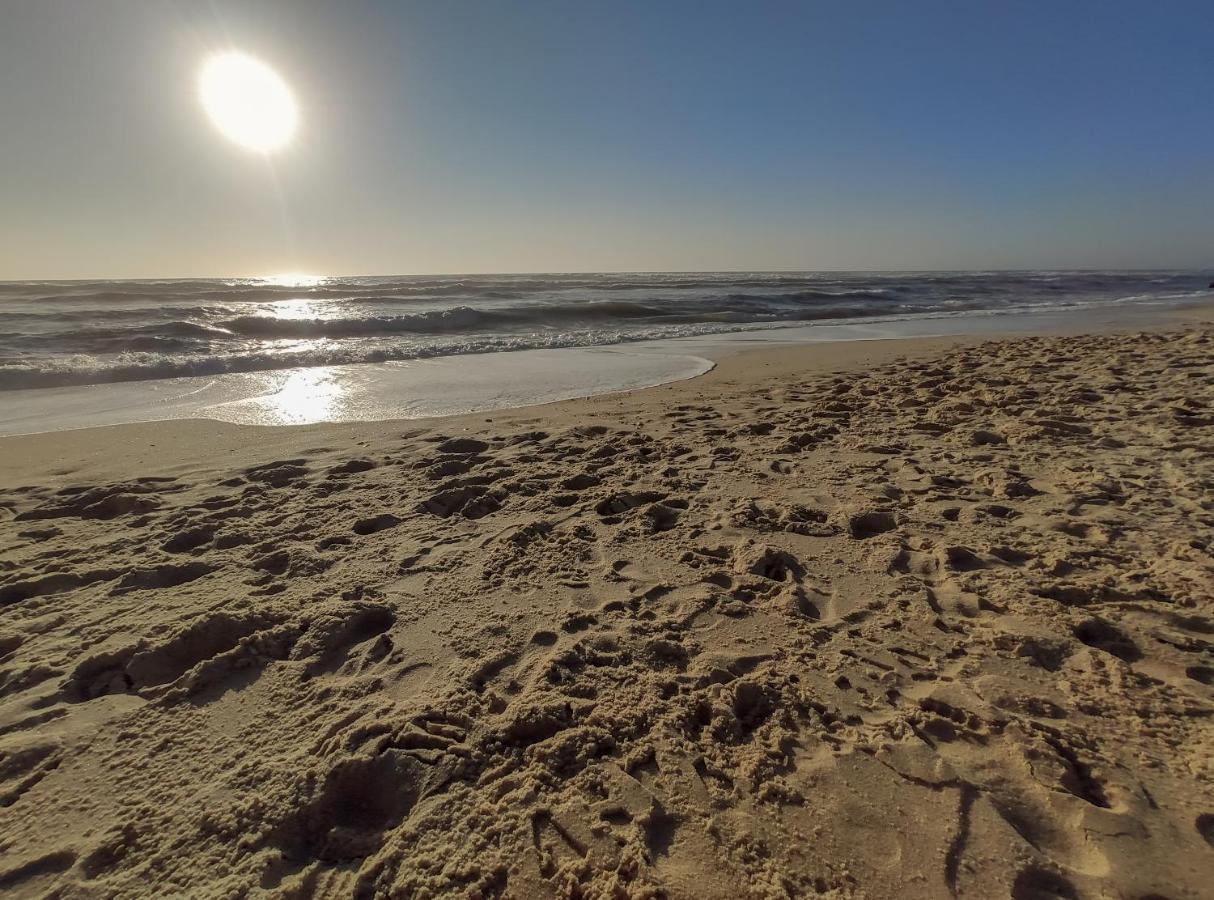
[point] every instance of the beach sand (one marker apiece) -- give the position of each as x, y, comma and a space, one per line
908, 619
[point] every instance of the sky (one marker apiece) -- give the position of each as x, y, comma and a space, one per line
444, 136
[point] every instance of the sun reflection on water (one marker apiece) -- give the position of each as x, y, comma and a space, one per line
303, 396
295, 308
293, 279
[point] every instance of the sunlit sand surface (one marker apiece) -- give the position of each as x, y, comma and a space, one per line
910, 619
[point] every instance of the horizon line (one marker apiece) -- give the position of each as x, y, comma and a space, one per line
489, 274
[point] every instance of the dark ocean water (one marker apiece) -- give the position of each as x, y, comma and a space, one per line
55, 333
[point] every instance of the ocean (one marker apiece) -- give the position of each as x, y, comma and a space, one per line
60, 333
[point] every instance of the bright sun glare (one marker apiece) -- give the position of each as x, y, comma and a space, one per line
248, 101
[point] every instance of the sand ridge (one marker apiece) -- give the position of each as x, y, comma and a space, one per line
941, 628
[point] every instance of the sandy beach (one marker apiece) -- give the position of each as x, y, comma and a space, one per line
920, 618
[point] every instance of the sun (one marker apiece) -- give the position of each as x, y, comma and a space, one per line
248, 101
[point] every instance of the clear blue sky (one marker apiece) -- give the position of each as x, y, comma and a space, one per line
448, 136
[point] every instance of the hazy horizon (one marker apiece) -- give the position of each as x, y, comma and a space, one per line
286, 278
540, 138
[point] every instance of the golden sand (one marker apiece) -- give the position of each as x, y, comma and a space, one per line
850, 626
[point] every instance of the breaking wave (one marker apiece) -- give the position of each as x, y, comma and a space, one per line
69, 333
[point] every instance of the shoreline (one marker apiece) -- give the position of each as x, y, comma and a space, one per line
870, 618
443, 387
105, 450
